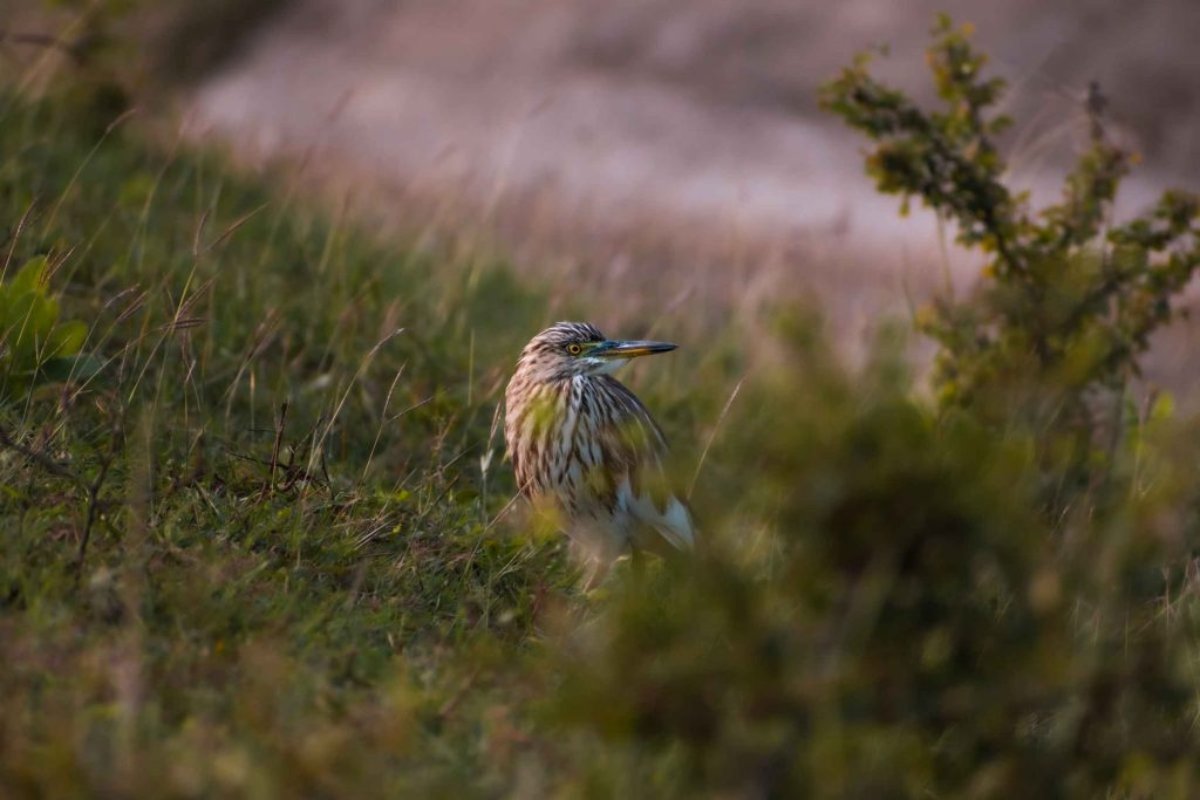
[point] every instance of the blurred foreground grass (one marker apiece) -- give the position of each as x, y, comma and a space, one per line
251, 550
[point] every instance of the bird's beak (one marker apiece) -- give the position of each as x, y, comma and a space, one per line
630, 349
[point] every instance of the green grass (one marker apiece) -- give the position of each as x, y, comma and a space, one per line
260, 553
227, 626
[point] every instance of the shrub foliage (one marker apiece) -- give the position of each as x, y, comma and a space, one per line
982, 598
1069, 298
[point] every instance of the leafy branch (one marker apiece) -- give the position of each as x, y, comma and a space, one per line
1067, 301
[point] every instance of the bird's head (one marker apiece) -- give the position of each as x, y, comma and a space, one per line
567, 349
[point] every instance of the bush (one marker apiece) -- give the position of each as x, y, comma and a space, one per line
892, 604
1068, 298
911, 627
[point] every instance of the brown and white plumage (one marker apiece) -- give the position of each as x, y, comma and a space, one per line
583, 445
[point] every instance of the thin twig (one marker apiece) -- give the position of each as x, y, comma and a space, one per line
40, 459
16, 234
279, 428
712, 437
46, 41
387, 401
92, 511
500, 514
92, 490
229, 231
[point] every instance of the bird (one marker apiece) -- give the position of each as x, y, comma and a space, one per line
586, 450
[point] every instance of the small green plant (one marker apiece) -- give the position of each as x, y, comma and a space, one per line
35, 347
1068, 299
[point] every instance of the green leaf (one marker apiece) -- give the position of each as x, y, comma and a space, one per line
76, 368
34, 347
31, 277
67, 339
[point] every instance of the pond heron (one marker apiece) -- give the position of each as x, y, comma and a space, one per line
586, 449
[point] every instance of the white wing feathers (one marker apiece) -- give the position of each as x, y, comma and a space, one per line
674, 525
673, 521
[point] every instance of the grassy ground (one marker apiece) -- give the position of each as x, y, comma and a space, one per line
203, 589
260, 553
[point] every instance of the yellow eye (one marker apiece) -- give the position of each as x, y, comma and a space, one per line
574, 349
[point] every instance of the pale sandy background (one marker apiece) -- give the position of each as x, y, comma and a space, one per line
658, 154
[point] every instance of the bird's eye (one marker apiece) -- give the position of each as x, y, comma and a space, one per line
574, 349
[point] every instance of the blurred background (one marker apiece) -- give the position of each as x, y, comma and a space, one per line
647, 154
661, 152
684, 131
